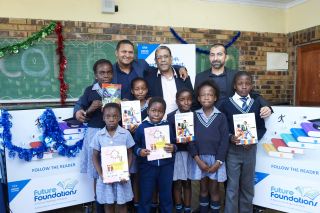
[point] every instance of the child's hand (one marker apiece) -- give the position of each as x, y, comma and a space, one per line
214, 167
133, 128
144, 152
234, 139
123, 181
81, 115
265, 112
203, 166
169, 148
96, 104
247, 147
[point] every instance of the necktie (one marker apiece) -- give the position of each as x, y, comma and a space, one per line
244, 104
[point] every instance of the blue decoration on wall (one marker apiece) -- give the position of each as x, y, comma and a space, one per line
52, 137
199, 50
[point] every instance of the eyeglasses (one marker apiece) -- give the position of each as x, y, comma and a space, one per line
160, 57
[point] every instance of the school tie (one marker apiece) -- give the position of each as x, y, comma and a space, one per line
244, 104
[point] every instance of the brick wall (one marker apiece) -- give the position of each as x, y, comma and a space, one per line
275, 86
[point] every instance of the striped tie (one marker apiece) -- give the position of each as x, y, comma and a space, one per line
244, 104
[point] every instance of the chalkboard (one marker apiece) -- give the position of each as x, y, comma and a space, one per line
31, 75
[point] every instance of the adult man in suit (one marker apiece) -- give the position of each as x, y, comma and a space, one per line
164, 81
223, 77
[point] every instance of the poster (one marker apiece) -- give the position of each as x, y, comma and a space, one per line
156, 139
114, 161
49, 183
288, 179
182, 54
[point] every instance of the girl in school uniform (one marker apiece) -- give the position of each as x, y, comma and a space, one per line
181, 181
112, 135
241, 159
209, 148
139, 89
90, 106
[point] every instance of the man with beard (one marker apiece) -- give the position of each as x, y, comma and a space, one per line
223, 77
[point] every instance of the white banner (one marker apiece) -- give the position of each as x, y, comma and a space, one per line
288, 169
49, 183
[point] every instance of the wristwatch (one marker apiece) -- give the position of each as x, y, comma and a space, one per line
220, 162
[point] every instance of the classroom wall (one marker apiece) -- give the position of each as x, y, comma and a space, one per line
253, 46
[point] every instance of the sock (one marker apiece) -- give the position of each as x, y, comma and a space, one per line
179, 208
187, 209
136, 207
154, 207
99, 207
204, 204
215, 206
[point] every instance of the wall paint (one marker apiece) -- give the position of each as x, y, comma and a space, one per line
175, 13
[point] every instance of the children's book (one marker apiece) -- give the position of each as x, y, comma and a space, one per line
272, 152
114, 162
184, 127
290, 140
131, 113
310, 130
156, 139
301, 136
245, 128
281, 146
111, 93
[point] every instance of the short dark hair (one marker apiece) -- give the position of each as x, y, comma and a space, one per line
138, 79
112, 105
125, 41
209, 83
157, 100
182, 91
100, 61
162, 47
220, 45
239, 74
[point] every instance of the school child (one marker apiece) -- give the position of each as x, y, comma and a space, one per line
155, 173
139, 89
91, 107
112, 135
210, 147
181, 181
241, 159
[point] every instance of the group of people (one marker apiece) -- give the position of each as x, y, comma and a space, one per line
212, 157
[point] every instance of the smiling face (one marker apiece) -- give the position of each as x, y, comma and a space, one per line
217, 57
156, 112
184, 101
163, 59
139, 90
207, 96
103, 73
125, 54
243, 85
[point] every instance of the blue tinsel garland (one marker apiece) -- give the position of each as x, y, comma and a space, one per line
51, 134
199, 50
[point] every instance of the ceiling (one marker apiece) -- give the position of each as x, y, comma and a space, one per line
283, 4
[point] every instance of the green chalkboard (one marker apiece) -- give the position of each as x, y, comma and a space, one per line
203, 62
31, 75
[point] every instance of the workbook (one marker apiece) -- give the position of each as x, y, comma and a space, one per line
114, 162
131, 113
184, 127
111, 93
156, 139
245, 128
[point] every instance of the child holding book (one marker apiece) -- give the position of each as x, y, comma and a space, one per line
112, 135
139, 89
154, 173
210, 147
241, 159
91, 107
181, 181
